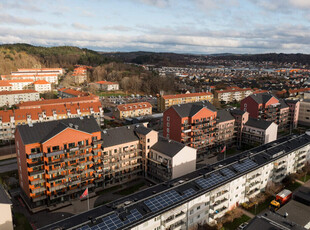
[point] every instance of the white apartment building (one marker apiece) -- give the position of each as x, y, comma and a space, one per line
233, 94
202, 196
15, 97
42, 86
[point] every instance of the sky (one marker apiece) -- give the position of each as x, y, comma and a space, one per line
181, 26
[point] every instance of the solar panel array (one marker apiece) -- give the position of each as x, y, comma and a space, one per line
113, 222
163, 200
189, 192
245, 165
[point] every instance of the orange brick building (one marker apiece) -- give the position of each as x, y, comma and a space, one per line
56, 159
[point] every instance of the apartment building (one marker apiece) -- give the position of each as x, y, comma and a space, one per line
58, 102
6, 217
166, 101
48, 74
225, 135
304, 112
10, 98
80, 74
253, 131
294, 105
232, 94
194, 124
9, 119
58, 159
267, 107
297, 92
5, 85
42, 86
200, 197
258, 132
107, 85
133, 110
69, 93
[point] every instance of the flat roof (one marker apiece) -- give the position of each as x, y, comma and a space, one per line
156, 200
4, 198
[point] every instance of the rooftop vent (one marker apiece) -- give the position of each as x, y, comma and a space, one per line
70, 125
76, 126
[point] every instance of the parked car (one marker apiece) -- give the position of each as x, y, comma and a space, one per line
242, 226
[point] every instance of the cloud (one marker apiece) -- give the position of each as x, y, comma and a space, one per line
118, 28
156, 3
284, 6
10, 19
282, 38
80, 26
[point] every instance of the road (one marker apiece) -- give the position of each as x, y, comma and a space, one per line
8, 165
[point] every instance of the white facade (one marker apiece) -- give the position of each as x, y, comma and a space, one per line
6, 218
214, 204
252, 134
41, 88
10, 98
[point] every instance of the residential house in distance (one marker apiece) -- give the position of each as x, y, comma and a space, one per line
10, 98
9, 119
58, 160
42, 86
48, 74
16, 84
232, 94
267, 107
80, 74
298, 92
166, 101
202, 196
133, 110
6, 218
69, 93
107, 85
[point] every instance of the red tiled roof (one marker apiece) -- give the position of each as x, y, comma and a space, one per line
43, 69
106, 82
186, 95
134, 106
298, 90
73, 92
18, 92
75, 100
41, 82
4, 83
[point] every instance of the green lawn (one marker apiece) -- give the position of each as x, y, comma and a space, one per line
261, 207
107, 190
305, 178
131, 189
293, 186
235, 224
21, 222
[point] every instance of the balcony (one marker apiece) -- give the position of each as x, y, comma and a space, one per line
55, 153
37, 181
56, 178
33, 164
34, 155
37, 172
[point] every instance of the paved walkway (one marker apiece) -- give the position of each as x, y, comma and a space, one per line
245, 212
301, 182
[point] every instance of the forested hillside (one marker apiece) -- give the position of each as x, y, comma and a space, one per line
13, 56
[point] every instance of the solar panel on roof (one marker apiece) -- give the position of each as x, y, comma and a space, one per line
163, 200
189, 192
113, 222
245, 165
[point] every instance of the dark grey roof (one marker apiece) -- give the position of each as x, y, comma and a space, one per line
256, 123
262, 98
272, 221
168, 147
237, 111
41, 132
283, 104
224, 115
190, 109
143, 130
292, 101
4, 198
119, 135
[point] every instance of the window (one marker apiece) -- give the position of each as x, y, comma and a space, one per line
198, 207
168, 118
168, 130
148, 140
191, 212
55, 148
